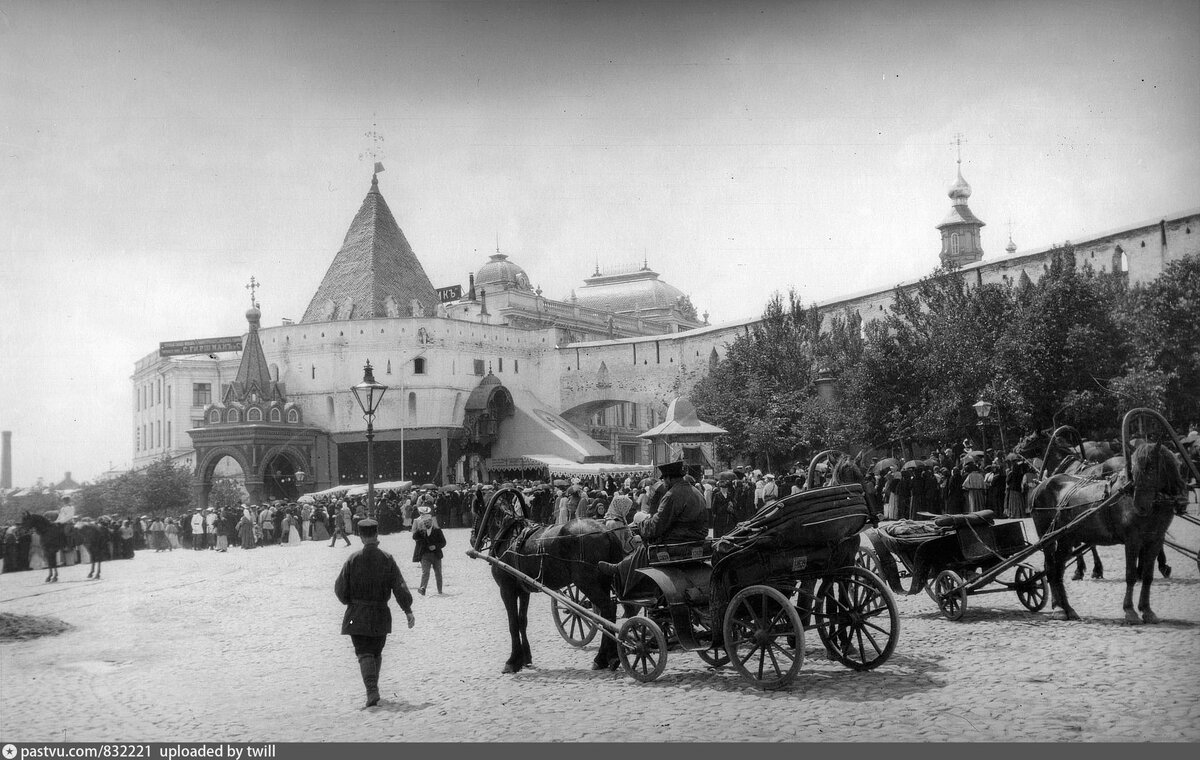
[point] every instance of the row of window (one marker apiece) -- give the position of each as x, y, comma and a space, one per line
419, 367
150, 394
149, 436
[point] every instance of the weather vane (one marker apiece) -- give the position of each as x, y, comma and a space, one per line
375, 152
253, 286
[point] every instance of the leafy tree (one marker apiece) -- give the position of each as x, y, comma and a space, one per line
168, 487
226, 492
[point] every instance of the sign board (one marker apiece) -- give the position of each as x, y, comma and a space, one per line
204, 346
451, 293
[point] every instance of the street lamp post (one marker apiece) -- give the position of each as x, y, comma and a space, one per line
369, 393
982, 410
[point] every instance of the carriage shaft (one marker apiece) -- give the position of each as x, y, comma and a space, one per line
607, 627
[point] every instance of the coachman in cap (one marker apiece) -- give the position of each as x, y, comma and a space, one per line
368, 579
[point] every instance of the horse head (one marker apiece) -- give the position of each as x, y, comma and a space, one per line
1157, 473
845, 470
505, 506
1032, 445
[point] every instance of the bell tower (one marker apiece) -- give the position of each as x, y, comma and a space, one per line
960, 229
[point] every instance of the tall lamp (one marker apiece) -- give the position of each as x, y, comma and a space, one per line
369, 393
982, 410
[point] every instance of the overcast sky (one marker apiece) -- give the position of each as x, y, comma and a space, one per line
154, 156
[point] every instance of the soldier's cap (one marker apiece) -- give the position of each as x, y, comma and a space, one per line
671, 469
368, 523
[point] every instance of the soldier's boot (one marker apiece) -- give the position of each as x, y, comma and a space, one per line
368, 664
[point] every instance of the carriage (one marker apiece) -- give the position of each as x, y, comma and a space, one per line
785, 572
952, 557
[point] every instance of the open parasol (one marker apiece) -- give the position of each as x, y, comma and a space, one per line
883, 464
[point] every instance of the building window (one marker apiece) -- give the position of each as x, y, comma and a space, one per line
276, 416
201, 394
167, 443
233, 416
254, 414
954, 244
500, 364
158, 433
169, 396
158, 392
419, 365
479, 367
293, 416
137, 446
516, 366
214, 416
198, 423
412, 404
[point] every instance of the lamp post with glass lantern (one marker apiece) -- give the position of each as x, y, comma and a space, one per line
983, 411
369, 393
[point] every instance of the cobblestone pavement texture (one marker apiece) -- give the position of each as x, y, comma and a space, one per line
244, 646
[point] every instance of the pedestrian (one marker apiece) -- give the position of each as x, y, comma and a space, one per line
428, 542
973, 486
221, 532
1014, 492
293, 531
197, 530
172, 535
245, 529
158, 534
341, 520
210, 528
266, 521
724, 505
367, 580
770, 490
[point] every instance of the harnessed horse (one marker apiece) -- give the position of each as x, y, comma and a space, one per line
54, 539
555, 555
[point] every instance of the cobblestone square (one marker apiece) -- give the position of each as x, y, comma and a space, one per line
244, 646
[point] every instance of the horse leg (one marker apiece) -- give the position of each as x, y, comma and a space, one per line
508, 593
1080, 567
1163, 567
1097, 566
607, 657
523, 624
1133, 552
1056, 566
1148, 555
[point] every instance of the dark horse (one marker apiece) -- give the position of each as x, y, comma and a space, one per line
1086, 459
54, 539
555, 555
1146, 493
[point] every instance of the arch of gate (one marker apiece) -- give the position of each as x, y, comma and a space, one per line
207, 461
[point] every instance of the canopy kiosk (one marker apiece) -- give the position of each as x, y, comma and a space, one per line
683, 435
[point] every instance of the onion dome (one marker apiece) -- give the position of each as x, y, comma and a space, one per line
502, 274
960, 191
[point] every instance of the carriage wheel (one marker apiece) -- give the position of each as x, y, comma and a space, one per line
764, 637
867, 559
951, 594
857, 619
717, 657
642, 647
577, 630
1032, 588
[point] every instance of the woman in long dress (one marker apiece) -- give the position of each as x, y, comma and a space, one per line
293, 530
974, 487
245, 529
172, 535
222, 528
320, 522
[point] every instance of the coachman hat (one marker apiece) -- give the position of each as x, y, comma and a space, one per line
671, 469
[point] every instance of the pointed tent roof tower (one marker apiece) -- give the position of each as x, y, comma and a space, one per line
375, 274
253, 375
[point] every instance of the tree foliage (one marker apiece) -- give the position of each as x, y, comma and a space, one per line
1076, 347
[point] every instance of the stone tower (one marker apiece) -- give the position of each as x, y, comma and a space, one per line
960, 229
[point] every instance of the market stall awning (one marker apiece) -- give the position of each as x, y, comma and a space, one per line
682, 425
389, 485
535, 429
559, 466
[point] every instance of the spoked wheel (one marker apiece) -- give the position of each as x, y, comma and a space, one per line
642, 647
867, 559
577, 630
717, 657
951, 593
764, 637
857, 619
1032, 588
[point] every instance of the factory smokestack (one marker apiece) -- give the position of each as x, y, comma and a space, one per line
6, 459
